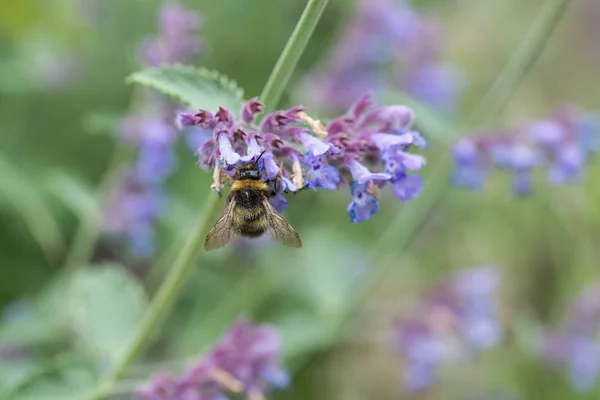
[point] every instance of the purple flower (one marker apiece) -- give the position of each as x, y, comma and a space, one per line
362, 175
480, 309
568, 165
583, 363
177, 40
131, 212
562, 144
386, 44
574, 345
9, 352
316, 147
363, 204
162, 387
407, 187
246, 359
460, 317
251, 109
468, 165
297, 152
320, 174
435, 84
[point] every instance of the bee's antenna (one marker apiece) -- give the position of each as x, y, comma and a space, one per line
261, 154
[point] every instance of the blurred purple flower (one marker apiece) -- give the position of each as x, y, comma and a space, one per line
298, 152
386, 44
246, 359
574, 345
458, 319
133, 208
177, 38
562, 144
135, 203
9, 352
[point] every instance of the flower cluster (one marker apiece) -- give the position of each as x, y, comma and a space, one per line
297, 152
134, 205
563, 144
385, 45
246, 360
457, 320
574, 345
177, 39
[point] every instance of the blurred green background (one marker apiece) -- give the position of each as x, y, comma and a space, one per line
62, 70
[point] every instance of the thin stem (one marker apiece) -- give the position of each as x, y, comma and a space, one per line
520, 63
88, 230
281, 74
165, 296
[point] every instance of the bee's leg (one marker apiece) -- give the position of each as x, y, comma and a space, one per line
277, 181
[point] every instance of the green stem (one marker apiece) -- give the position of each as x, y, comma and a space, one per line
184, 264
88, 230
165, 296
282, 72
520, 63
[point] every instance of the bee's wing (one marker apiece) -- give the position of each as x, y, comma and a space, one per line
279, 229
221, 233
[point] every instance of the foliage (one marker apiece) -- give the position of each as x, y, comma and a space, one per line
102, 328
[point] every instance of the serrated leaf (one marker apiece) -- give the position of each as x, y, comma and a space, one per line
28, 202
198, 88
105, 305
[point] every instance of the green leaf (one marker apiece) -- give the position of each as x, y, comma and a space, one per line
105, 305
28, 202
69, 377
38, 320
13, 371
198, 88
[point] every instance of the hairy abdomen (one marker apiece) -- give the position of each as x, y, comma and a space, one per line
249, 217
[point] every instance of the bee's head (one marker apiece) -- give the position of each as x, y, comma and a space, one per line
251, 171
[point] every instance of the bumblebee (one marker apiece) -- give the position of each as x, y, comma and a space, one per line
248, 213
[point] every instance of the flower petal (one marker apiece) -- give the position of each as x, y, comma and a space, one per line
322, 175
315, 146
363, 205
385, 140
184, 120
362, 175
288, 185
270, 165
413, 162
361, 105
278, 202
251, 109
408, 187
227, 152
254, 150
